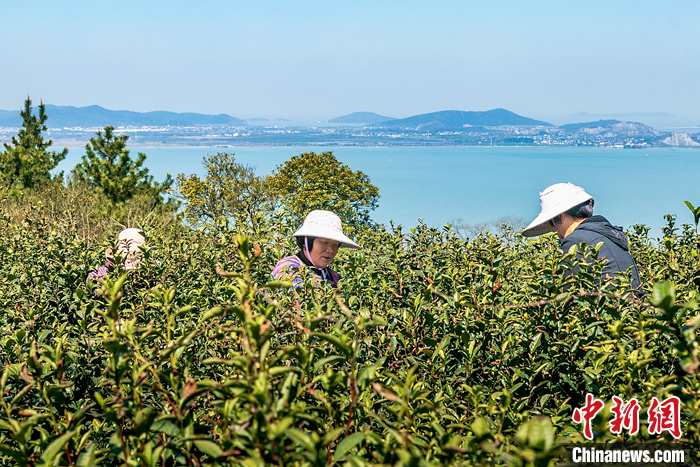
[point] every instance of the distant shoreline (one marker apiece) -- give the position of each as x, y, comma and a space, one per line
674, 140
132, 146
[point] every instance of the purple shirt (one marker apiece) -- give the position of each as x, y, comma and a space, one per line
289, 268
100, 273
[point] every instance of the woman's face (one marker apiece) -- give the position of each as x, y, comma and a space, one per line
130, 253
323, 251
554, 227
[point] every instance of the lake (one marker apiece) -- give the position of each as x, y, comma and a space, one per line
476, 185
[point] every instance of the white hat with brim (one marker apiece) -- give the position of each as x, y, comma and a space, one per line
131, 236
325, 224
555, 200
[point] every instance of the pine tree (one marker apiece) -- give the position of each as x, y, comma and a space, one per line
107, 166
26, 162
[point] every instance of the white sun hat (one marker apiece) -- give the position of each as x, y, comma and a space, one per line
131, 238
128, 242
555, 200
325, 224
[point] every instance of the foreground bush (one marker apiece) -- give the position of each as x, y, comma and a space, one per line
437, 351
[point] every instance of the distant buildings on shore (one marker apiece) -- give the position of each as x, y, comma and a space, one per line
70, 126
618, 135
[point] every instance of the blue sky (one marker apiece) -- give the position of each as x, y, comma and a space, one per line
322, 59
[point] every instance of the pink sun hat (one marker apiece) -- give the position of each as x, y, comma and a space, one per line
554, 200
325, 224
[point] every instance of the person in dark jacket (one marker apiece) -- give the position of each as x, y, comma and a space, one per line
568, 210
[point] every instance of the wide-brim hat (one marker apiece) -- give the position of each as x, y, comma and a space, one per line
325, 224
131, 236
555, 200
130, 240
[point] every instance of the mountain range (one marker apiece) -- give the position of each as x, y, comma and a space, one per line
96, 116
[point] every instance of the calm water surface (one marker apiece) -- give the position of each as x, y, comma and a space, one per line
441, 185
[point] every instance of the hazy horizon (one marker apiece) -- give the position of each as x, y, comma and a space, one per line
313, 60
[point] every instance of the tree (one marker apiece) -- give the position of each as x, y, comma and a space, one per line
27, 163
230, 192
319, 181
108, 167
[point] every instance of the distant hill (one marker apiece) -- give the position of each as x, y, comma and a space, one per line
598, 124
96, 116
611, 129
453, 119
360, 118
10, 118
654, 119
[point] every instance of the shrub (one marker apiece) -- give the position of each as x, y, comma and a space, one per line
436, 350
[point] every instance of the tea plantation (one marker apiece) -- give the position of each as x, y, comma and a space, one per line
435, 351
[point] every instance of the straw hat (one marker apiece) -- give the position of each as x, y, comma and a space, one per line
325, 224
555, 200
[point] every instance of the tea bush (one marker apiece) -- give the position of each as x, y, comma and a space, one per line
435, 351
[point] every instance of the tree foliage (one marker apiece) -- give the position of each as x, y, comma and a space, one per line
230, 194
108, 167
320, 181
26, 162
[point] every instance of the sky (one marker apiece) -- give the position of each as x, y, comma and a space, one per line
321, 59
